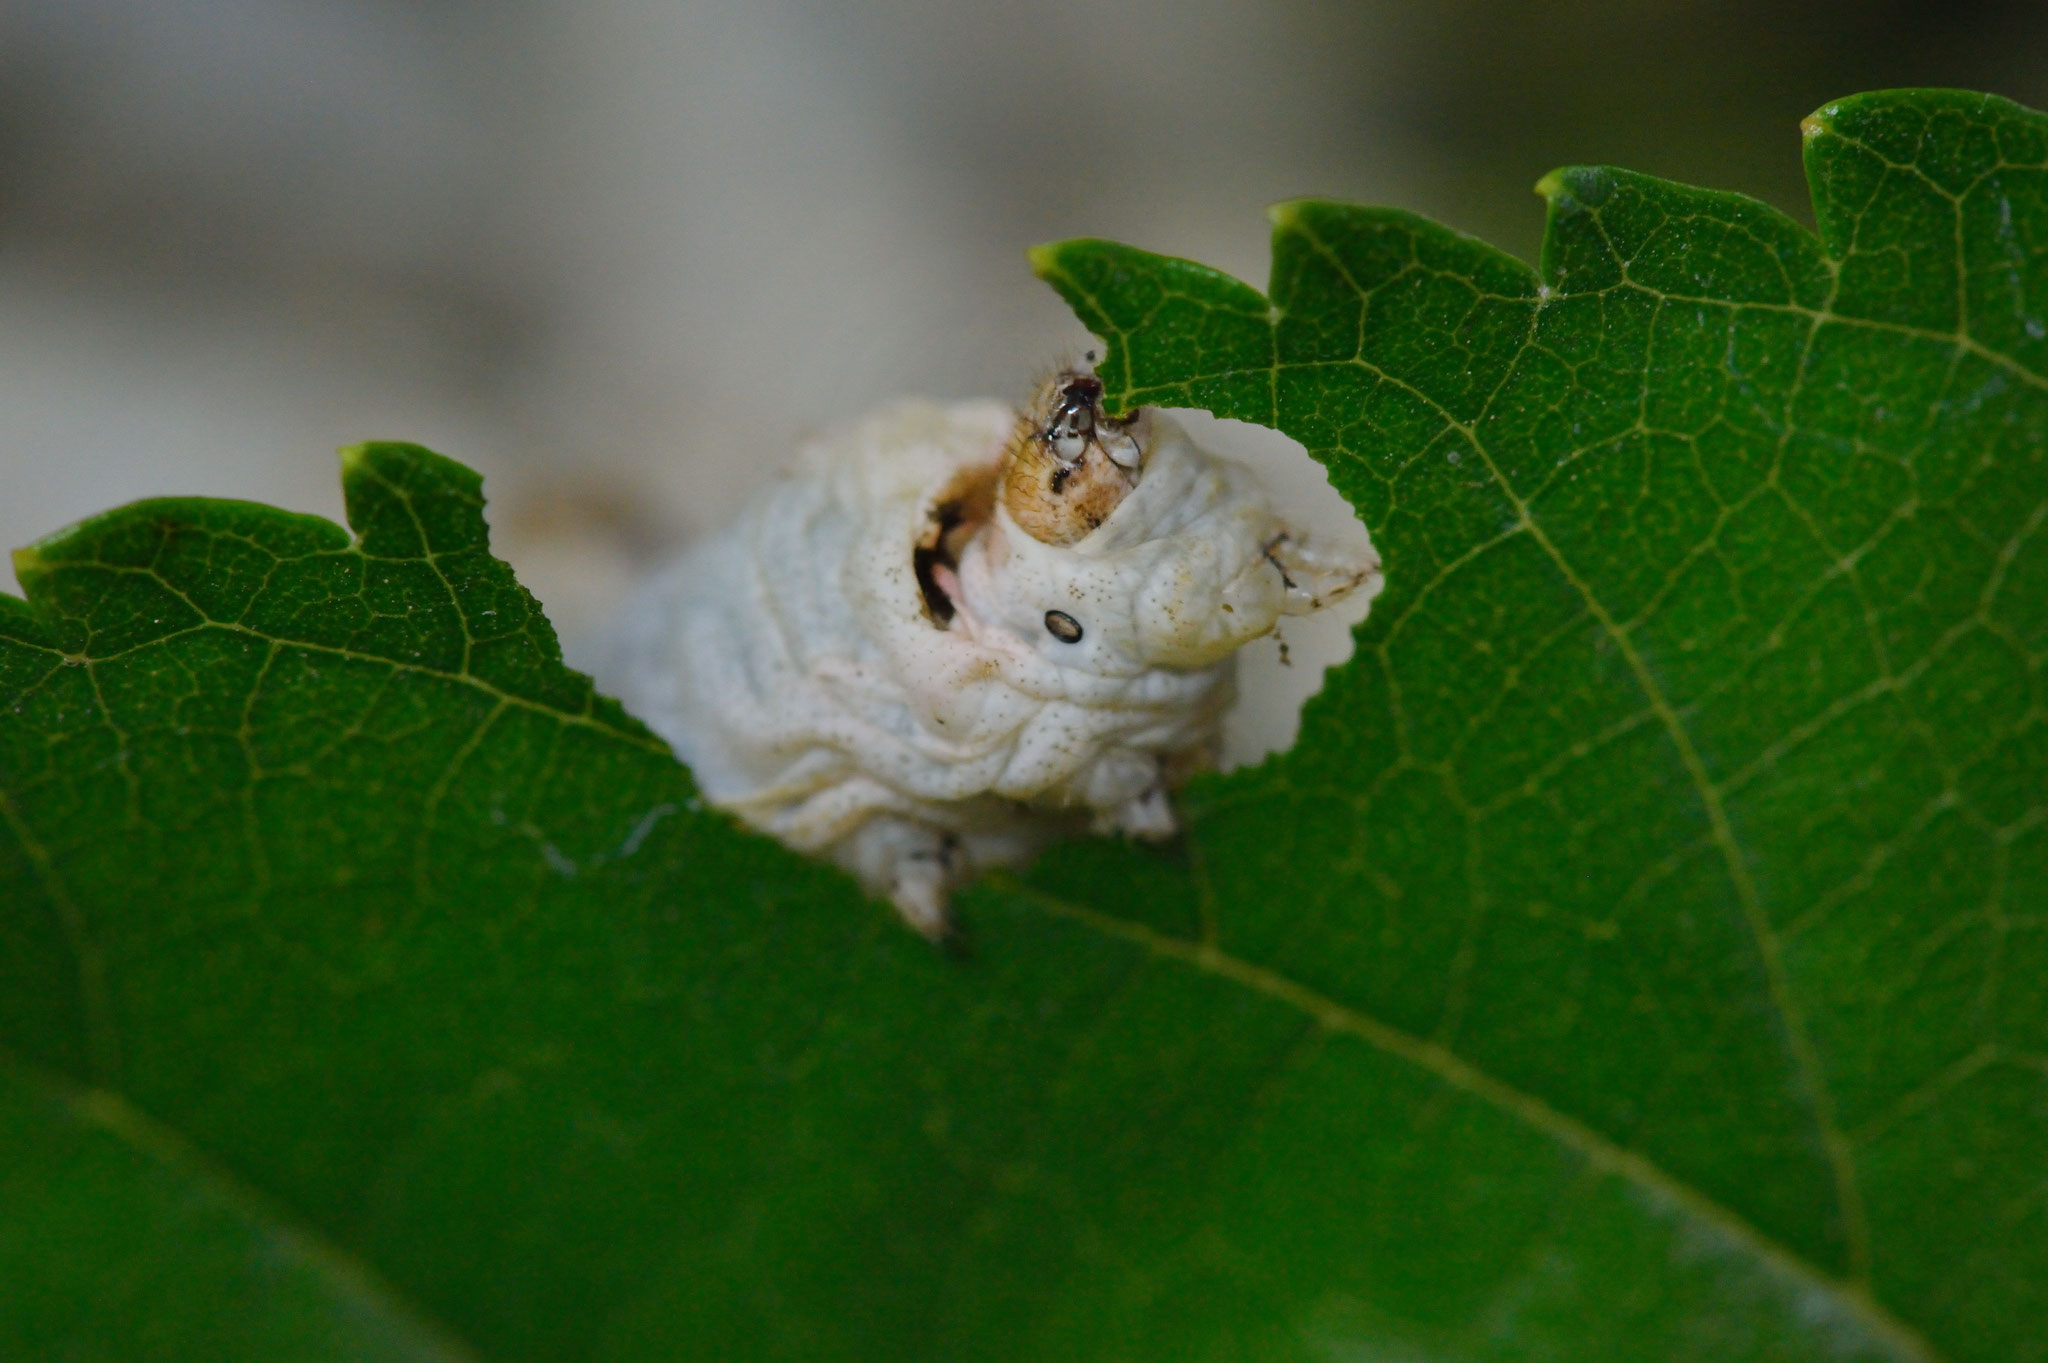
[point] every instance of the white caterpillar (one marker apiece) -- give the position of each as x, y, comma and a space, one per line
953, 633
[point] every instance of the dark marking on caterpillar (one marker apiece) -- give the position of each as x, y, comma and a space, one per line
1272, 558
1063, 627
926, 559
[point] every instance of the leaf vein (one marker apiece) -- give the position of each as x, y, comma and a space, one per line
1454, 1071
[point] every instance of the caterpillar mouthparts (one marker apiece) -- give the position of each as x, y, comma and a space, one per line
1068, 463
954, 634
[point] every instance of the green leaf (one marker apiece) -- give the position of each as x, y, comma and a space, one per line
1639, 957
116, 1242
1692, 770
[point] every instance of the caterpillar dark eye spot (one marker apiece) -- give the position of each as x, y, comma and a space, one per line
1063, 627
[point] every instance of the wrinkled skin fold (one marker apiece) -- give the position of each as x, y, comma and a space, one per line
878, 663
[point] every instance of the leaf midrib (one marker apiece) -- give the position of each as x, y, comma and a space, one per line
1600, 1152
164, 1146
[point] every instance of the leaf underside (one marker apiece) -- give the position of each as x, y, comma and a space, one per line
1639, 957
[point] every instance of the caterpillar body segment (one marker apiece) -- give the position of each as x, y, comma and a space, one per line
952, 634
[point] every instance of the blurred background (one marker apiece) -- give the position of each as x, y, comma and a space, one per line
621, 255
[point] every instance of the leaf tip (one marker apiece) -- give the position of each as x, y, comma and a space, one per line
1569, 188
1285, 214
27, 561
1045, 259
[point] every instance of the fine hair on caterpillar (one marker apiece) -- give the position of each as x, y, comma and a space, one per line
952, 634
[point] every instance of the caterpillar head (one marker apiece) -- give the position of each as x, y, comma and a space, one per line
1114, 575
1069, 463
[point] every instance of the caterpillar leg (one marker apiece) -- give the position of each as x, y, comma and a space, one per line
915, 865
1147, 817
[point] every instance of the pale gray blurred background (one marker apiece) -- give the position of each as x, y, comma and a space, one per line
620, 254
